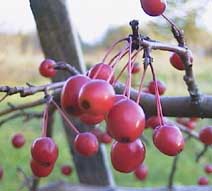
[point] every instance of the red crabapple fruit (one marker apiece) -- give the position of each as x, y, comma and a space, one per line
125, 121
86, 144
168, 139
46, 68
126, 157
18, 140
44, 150
153, 7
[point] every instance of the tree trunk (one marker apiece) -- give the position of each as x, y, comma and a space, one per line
60, 42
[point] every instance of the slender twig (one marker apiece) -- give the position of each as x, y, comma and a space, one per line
27, 116
201, 153
26, 91
3, 98
27, 180
23, 106
35, 183
64, 66
172, 173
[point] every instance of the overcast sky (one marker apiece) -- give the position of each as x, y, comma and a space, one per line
92, 18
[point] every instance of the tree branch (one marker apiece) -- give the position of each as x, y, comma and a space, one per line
172, 106
22, 106
27, 115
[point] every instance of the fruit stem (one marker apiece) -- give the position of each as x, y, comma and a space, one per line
129, 68
112, 47
157, 96
125, 66
122, 53
45, 120
62, 113
141, 84
118, 54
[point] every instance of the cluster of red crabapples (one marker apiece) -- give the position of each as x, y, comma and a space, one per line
92, 99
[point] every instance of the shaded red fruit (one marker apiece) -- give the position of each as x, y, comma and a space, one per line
177, 62
125, 121
141, 172
161, 87
97, 132
66, 170
105, 138
187, 122
208, 168
70, 94
136, 68
96, 97
46, 68
203, 180
18, 140
91, 119
153, 7
119, 97
126, 157
195, 119
153, 122
41, 170
44, 150
101, 71
86, 144
205, 135
1, 172
168, 139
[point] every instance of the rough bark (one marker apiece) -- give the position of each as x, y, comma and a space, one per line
59, 41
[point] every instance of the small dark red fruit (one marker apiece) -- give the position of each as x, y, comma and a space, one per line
136, 68
187, 122
125, 121
91, 119
1, 172
97, 132
154, 121
208, 168
101, 71
195, 119
86, 144
168, 139
44, 150
161, 87
177, 62
105, 138
41, 170
18, 140
126, 157
205, 135
141, 172
70, 94
96, 97
153, 7
66, 170
203, 180
46, 68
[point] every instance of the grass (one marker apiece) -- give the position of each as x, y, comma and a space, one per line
159, 164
